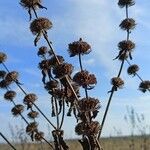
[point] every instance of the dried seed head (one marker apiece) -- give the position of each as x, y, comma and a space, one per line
123, 3
10, 95
117, 82
91, 128
89, 105
126, 45
3, 57
39, 136
53, 84
4, 84
42, 51
84, 79
144, 86
133, 69
53, 61
40, 24
44, 65
58, 93
12, 76
32, 127
33, 114
128, 24
63, 69
30, 98
17, 110
2, 74
79, 47
30, 3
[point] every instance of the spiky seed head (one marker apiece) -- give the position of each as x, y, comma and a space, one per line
32, 127
17, 110
2, 74
10, 95
126, 45
27, 4
44, 65
63, 69
3, 57
128, 24
85, 79
40, 24
123, 3
12, 76
53, 61
79, 47
30, 98
117, 82
42, 51
39, 136
33, 114
132, 70
144, 86
53, 84
4, 84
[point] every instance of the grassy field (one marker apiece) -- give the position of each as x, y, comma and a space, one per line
114, 143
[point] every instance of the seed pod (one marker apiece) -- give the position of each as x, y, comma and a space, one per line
128, 24
51, 85
10, 95
2, 74
117, 82
17, 110
132, 70
4, 84
126, 45
12, 76
79, 47
42, 51
40, 24
123, 3
30, 3
32, 127
33, 114
39, 136
30, 98
53, 61
44, 65
144, 86
3, 57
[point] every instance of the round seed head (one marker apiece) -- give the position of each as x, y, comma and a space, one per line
128, 24
85, 79
17, 110
79, 47
39, 136
33, 114
117, 82
12, 76
51, 85
144, 86
63, 69
44, 65
123, 3
3, 57
53, 61
32, 127
10, 95
126, 45
4, 84
30, 98
132, 70
42, 51
30, 3
2, 74
40, 24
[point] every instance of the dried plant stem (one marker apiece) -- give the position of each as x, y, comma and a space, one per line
31, 102
7, 141
113, 88
63, 114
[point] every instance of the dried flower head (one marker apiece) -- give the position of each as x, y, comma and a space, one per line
32, 127
33, 114
12, 76
123, 3
132, 70
79, 47
117, 82
53, 84
144, 86
44, 65
2, 74
128, 24
3, 57
85, 79
53, 61
10, 95
42, 51
63, 69
91, 128
126, 45
40, 24
4, 84
88, 105
17, 110
39, 136
30, 3
30, 98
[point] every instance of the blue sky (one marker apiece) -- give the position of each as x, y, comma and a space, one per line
97, 23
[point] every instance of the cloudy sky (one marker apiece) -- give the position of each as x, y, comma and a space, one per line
97, 23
